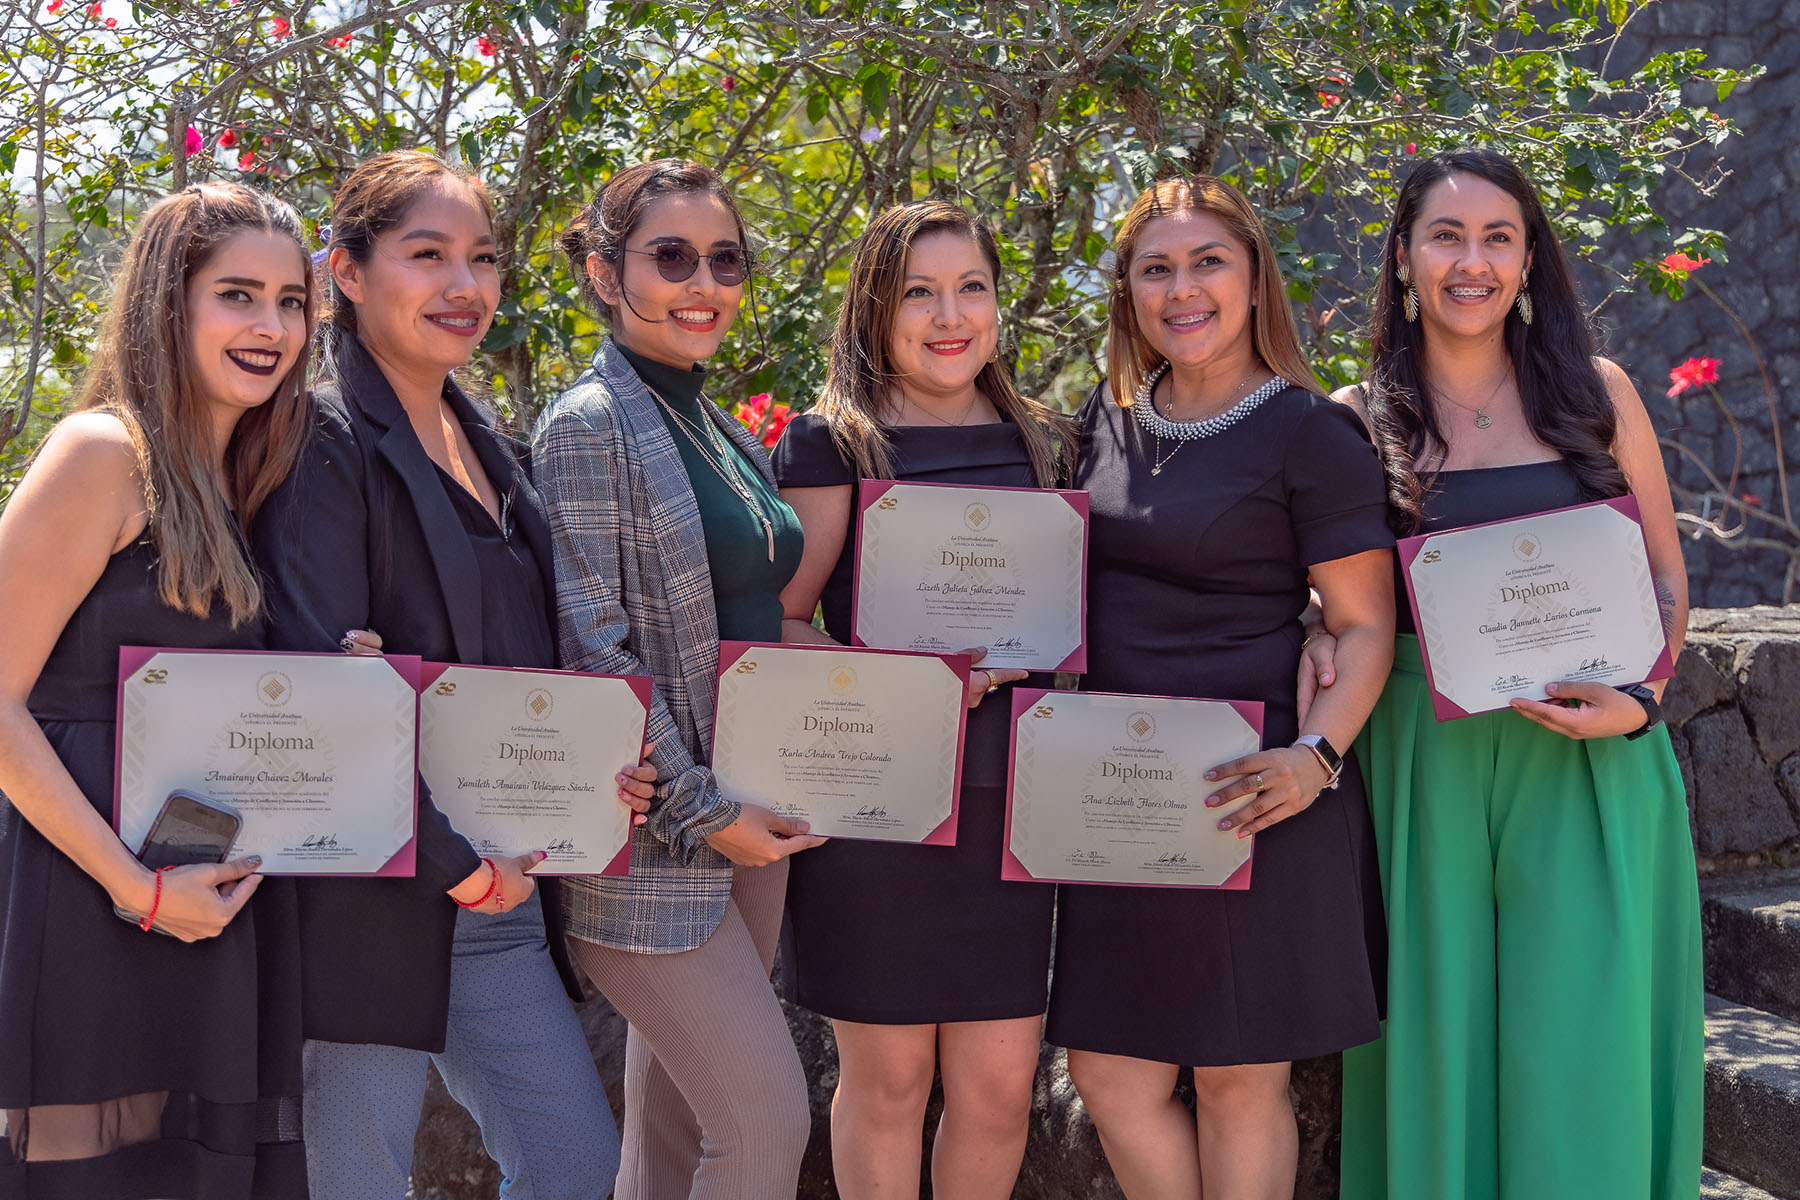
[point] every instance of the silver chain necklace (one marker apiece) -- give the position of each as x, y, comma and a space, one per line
725, 469
1183, 432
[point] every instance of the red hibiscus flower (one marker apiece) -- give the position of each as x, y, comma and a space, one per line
339, 42
228, 139
279, 27
93, 12
1695, 372
54, 7
752, 412
1680, 264
1412, 147
484, 47
112, 22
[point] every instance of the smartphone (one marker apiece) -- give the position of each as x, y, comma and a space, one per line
190, 828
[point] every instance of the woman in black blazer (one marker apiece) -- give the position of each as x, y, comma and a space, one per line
411, 515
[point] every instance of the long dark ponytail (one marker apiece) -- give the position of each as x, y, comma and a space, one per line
1564, 399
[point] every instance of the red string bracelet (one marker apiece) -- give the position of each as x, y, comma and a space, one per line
493, 886
155, 902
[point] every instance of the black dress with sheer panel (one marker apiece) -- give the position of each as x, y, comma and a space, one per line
1197, 580
890, 934
181, 1062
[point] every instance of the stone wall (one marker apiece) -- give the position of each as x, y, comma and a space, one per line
1758, 208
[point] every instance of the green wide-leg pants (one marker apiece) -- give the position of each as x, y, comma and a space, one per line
1545, 1030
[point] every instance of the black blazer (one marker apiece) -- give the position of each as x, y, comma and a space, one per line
362, 536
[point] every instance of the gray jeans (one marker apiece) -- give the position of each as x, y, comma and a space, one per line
514, 1057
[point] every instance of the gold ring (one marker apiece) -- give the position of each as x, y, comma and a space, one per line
1260, 785
993, 683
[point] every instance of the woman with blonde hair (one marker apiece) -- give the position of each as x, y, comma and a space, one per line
133, 1064
1220, 480
924, 958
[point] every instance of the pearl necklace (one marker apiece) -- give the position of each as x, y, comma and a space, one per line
1183, 432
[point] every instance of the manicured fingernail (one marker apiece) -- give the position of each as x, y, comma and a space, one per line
255, 860
1242, 834
1212, 801
1225, 824
1212, 774
1550, 688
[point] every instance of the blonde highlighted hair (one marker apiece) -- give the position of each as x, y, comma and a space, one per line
1129, 357
143, 374
861, 371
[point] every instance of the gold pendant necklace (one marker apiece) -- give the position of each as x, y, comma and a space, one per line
727, 473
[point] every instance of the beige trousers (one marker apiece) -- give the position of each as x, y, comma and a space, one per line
715, 1097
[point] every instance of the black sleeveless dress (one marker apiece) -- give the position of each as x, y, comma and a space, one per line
93, 1009
910, 935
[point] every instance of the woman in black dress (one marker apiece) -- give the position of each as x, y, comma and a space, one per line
1219, 479
922, 955
131, 1064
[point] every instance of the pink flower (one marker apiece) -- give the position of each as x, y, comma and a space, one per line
112, 22
729, 83
54, 7
246, 160
1755, 501
93, 12
194, 141
228, 139
752, 411
278, 27
1679, 264
1695, 372
484, 47
339, 42
1412, 147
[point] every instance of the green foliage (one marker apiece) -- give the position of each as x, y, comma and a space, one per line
1046, 115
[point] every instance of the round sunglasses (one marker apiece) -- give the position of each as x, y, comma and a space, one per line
677, 262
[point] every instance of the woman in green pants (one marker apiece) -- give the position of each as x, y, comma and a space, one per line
1544, 1034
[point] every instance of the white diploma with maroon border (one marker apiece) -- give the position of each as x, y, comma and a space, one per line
944, 567
315, 751
859, 743
523, 760
1506, 607
1112, 789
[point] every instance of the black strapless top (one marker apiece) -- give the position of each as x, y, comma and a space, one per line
1481, 494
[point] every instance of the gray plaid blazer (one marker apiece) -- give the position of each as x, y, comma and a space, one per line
634, 596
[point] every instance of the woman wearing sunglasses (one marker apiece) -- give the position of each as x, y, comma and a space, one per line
668, 536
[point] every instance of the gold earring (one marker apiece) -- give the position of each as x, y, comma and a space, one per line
1410, 302
1524, 301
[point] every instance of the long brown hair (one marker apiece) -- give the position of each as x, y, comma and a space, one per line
375, 197
1129, 357
144, 376
861, 369
1564, 399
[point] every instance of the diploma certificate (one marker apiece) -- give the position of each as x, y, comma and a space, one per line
1506, 607
1112, 789
524, 760
859, 743
943, 567
315, 751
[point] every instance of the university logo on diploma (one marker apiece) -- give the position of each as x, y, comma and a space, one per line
859, 743
522, 760
314, 751
1505, 607
1110, 788
945, 567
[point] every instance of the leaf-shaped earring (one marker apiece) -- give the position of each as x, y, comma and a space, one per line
1410, 302
1524, 301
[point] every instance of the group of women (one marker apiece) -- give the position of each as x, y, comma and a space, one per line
1524, 1023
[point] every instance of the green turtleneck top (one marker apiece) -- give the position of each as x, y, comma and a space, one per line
746, 585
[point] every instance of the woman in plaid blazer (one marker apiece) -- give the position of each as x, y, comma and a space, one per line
669, 535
